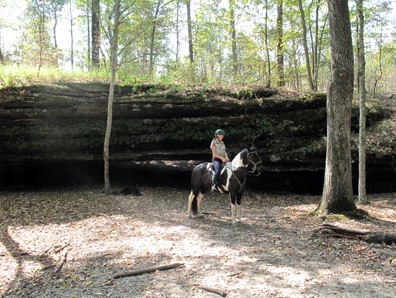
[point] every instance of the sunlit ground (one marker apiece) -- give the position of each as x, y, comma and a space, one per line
271, 254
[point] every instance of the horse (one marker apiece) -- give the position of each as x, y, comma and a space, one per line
232, 180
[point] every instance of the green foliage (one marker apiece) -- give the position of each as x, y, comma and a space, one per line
153, 44
27, 75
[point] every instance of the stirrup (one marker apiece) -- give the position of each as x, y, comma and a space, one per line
214, 187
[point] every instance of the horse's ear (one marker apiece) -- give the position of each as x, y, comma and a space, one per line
251, 147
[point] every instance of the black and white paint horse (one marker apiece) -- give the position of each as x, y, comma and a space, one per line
232, 180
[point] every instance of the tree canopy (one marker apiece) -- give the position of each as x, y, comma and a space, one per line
233, 41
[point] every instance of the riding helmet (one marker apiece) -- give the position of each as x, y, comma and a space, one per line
219, 132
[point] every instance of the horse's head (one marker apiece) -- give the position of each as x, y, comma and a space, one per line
255, 166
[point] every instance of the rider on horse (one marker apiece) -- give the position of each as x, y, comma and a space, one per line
219, 155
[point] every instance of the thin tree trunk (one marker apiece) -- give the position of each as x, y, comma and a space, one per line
380, 67
362, 197
337, 190
41, 37
54, 28
280, 46
152, 39
1, 56
113, 59
190, 40
71, 37
89, 56
95, 33
233, 40
268, 84
305, 44
177, 34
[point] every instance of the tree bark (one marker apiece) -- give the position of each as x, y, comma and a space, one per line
190, 39
95, 33
71, 37
370, 237
233, 40
337, 190
2, 57
268, 83
362, 197
152, 39
305, 43
148, 270
114, 50
280, 46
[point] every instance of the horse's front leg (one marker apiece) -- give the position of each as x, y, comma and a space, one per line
238, 206
233, 207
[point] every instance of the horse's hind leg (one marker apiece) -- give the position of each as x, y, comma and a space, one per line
192, 204
195, 204
200, 203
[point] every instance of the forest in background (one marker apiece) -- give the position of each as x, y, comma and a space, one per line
273, 43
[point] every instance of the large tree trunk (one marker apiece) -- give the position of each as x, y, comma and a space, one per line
95, 32
280, 46
337, 190
114, 52
362, 104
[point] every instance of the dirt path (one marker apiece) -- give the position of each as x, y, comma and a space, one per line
273, 253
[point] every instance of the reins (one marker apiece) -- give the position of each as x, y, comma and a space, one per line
254, 163
233, 170
241, 185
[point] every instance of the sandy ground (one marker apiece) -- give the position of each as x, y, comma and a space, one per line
272, 253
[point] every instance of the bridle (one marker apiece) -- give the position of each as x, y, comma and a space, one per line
249, 172
252, 172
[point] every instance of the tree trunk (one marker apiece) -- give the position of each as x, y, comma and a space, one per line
152, 39
337, 190
177, 33
71, 37
233, 40
54, 29
268, 83
280, 47
95, 33
2, 57
87, 15
190, 41
113, 59
362, 198
305, 44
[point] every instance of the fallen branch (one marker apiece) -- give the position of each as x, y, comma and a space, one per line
213, 290
61, 262
370, 237
148, 270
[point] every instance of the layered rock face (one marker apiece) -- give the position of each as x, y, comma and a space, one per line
161, 132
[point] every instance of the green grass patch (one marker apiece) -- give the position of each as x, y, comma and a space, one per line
23, 75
